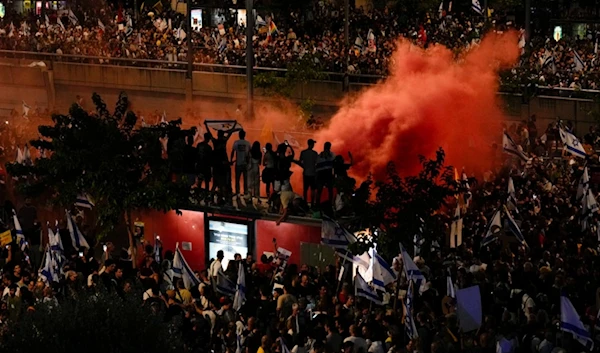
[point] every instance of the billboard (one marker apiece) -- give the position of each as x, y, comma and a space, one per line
196, 19
230, 237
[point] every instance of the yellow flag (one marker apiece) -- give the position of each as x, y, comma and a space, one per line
5, 238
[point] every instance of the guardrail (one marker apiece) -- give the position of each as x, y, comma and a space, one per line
241, 70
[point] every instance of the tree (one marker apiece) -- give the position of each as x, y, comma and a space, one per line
105, 156
405, 206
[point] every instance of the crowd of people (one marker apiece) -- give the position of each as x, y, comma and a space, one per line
522, 273
316, 33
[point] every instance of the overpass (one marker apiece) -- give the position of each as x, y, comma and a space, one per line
158, 85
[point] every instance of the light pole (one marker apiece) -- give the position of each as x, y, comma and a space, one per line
190, 64
347, 37
249, 59
527, 21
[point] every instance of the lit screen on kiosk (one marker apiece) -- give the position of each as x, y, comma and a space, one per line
232, 238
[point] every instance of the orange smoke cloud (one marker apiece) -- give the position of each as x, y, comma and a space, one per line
430, 100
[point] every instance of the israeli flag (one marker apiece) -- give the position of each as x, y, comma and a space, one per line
570, 322
260, 21
54, 239
413, 273
182, 270
334, 235
101, 25
547, 59
578, 62
363, 261
409, 322
584, 184
223, 125
19, 231
72, 17
225, 285
84, 201
240, 293
450, 289
511, 147
284, 348
456, 229
380, 273
362, 289
476, 6
590, 206
571, 143
49, 270
514, 228
511, 202
77, 238
493, 227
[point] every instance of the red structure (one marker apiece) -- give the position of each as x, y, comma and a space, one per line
193, 227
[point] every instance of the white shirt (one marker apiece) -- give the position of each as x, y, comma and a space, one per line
359, 343
376, 347
215, 267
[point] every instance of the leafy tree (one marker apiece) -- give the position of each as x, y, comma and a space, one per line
102, 323
105, 156
405, 206
299, 72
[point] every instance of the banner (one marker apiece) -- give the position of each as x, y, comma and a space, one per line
224, 125
468, 308
5, 238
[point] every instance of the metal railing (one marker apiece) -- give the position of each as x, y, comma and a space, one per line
50, 58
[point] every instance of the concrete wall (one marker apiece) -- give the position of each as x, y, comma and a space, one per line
59, 83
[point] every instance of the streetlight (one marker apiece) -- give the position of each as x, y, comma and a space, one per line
249, 59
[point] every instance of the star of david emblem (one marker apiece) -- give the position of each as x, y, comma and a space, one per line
339, 232
575, 142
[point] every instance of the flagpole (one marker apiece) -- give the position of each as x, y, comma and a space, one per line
340, 279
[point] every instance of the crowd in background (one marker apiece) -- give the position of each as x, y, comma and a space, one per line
301, 308
316, 33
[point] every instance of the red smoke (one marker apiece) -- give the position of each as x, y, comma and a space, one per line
430, 100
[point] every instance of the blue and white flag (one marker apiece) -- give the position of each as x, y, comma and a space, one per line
456, 229
511, 201
240, 293
570, 322
589, 207
182, 270
578, 62
362, 289
514, 228
409, 322
19, 231
49, 272
334, 235
72, 17
84, 201
101, 25
450, 289
511, 147
284, 348
379, 274
584, 184
77, 237
363, 261
571, 143
224, 285
476, 6
54, 239
493, 227
413, 273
